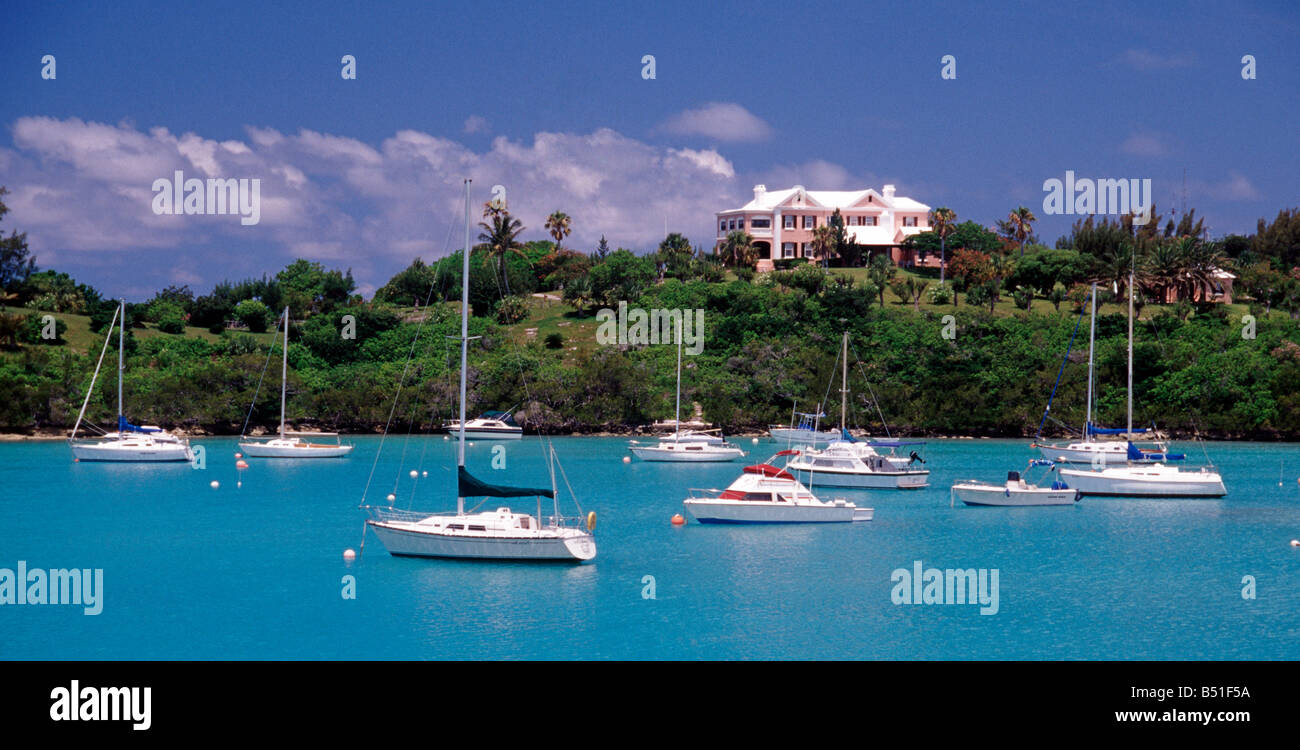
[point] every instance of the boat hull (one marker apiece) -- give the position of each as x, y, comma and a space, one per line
401, 540
262, 450
1129, 483
803, 437
175, 453
723, 511
681, 455
483, 434
974, 494
878, 480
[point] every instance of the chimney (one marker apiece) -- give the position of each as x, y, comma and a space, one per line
759, 192
889, 193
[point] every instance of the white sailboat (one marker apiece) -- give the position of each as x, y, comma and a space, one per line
499, 534
1141, 477
130, 443
1099, 452
851, 464
693, 449
290, 444
804, 429
1015, 492
765, 493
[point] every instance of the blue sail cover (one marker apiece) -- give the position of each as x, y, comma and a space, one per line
468, 486
125, 426
846, 437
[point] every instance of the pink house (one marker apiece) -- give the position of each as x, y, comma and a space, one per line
782, 221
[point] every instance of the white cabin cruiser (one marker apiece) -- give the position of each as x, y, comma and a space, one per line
1147, 480
855, 465
688, 446
765, 493
492, 425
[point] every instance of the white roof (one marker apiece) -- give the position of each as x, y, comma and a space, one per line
831, 199
881, 235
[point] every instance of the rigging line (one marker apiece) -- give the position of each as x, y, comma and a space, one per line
1059, 373
108, 335
258, 391
379, 451
875, 401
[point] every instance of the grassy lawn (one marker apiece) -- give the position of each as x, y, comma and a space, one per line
81, 338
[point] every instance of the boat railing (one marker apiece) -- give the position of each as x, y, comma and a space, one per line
387, 513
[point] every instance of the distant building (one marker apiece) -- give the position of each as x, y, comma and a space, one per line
1219, 289
782, 221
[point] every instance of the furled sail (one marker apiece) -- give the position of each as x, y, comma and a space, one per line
472, 487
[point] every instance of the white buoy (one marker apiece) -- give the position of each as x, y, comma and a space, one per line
755, 441
414, 473
1295, 542
425, 474
215, 484
627, 459
239, 485
391, 497
349, 555
446, 437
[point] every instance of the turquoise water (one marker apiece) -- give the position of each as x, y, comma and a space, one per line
192, 572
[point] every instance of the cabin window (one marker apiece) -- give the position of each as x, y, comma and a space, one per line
475, 527
523, 523
457, 526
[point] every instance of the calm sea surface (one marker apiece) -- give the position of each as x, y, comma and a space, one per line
192, 572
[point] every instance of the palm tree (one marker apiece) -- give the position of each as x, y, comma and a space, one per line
738, 250
502, 238
1022, 220
560, 226
1166, 267
880, 270
943, 222
823, 242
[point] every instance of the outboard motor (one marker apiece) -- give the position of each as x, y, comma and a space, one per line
916, 458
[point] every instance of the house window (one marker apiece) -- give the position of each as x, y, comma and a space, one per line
909, 221
761, 223
789, 221
722, 227
809, 222
868, 221
740, 223
787, 249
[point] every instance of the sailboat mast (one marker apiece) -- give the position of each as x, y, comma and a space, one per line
1092, 338
1130, 353
121, 343
844, 382
464, 346
284, 369
678, 416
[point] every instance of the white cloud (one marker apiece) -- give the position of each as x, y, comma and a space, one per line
475, 124
723, 121
83, 189
1144, 144
1143, 59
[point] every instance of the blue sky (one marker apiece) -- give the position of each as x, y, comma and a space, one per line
550, 102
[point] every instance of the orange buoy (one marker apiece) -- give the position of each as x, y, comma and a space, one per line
239, 455
241, 464
678, 520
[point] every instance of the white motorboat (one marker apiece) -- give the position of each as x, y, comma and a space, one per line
842, 464
1015, 492
804, 432
290, 444
850, 464
766, 493
492, 425
689, 447
1141, 477
130, 443
501, 534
